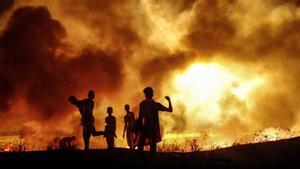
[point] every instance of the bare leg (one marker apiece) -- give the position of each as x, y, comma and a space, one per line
86, 138
97, 133
110, 140
153, 150
141, 146
130, 139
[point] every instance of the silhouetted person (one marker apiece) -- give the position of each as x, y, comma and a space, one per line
110, 129
149, 122
129, 121
67, 142
86, 107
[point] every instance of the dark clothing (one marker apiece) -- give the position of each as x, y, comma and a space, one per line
150, 130
110, 141
110, 125
110, 131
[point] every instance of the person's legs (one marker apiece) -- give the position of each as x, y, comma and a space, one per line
107, 141
136, 140
86, 137
153, 147
130, 139
110, 141
141, 146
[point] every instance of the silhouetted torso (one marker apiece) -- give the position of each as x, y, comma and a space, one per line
110, 131
110, 127
130, 121
86, 109
149, 111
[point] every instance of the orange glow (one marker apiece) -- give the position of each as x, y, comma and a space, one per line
232, 72
9, 148
202, 86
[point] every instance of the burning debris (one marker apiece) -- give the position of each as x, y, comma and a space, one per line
9, 148
269, 134
194, 142
11, 144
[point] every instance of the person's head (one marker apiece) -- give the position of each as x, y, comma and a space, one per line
109, 110
91, 94
127, 107
148, 91
72, 99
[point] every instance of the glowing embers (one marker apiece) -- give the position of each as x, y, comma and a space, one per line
203, 141
268, 134
190, 142
12, 143
9, 148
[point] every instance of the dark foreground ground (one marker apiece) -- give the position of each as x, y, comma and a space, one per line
280, 154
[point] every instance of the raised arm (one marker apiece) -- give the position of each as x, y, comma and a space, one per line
163, 108
170, 109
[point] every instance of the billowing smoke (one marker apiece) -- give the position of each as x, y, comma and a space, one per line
5, 5
211, 30
36, 70
52, 49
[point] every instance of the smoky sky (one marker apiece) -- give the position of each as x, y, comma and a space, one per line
111, 23
33, 70
5, 5
40, 68
155, 70
212, 29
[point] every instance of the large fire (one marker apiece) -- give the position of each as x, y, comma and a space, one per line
202, 86
230, 67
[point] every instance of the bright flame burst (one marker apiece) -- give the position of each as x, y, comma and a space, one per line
200, 89
202, 86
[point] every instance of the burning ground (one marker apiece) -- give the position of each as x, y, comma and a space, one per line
230, 67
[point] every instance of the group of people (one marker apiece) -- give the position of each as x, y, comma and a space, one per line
144, 130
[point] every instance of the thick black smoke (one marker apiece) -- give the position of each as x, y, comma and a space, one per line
5, 5
34, 69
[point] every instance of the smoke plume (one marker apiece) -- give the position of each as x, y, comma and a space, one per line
52, 49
